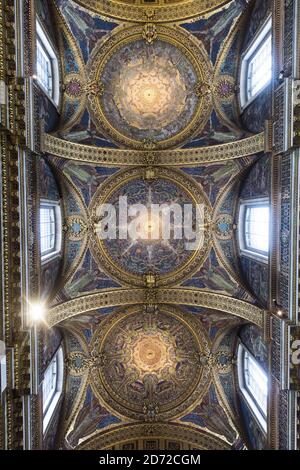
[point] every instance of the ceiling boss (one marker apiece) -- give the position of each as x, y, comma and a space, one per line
143, 89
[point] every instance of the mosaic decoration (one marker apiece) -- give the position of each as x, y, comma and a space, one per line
211, 415
149, 93
91, 417
252, 338
86, 27
75, 228
88, 278
225, 87
150, 365
73, 87
224, 227
130, 259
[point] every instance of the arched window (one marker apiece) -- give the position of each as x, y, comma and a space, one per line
256, 70
253, 382
254, 223
50, 229
52, 386
47, 69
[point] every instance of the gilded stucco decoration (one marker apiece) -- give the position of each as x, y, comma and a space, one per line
158, 10
152, 92
131, 259
177, 296
146, 436
150, 365
177, 157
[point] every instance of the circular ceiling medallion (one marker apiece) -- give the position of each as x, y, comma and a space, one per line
156, 10
145, 87
150, 364
167, 223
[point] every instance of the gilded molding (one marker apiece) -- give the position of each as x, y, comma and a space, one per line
197, 438
180, 157
176, 296
161, 12
190, 47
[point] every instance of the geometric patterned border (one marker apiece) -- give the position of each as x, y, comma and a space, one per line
176, 296
186, 157
177, 432
161, 11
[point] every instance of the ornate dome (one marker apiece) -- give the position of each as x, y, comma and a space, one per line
149, 90
147, 86
150, 363
146, 250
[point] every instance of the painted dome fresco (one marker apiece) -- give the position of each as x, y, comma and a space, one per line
151, 363
147, 92
159, 240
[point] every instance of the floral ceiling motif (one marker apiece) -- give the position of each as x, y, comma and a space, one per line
149, 87
150, 364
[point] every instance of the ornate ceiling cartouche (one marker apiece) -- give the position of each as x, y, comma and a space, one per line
150, 364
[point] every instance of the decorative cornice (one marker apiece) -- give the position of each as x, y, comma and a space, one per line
176, 296
160, 12
195, 437
180, 157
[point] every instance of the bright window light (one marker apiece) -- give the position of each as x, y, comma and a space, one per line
47, 68
254, 227
256, 382
260, 68
257, 228
50, 229
253, 383
44, 67
47, 229
256, 68
52, 386
49, 383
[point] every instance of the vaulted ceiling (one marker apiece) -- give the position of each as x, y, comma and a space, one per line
150, 111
